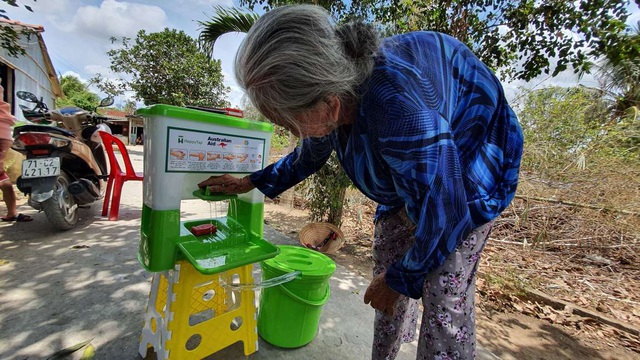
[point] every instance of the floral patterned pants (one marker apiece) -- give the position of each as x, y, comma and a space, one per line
448, 322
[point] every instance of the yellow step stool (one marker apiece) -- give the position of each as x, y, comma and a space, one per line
191, 316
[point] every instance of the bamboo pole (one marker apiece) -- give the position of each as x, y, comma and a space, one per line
571, 203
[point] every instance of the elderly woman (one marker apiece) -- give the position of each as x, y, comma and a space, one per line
422, 127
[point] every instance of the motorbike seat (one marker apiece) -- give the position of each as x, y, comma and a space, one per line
41, 128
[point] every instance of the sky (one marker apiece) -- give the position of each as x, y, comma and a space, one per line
77, 34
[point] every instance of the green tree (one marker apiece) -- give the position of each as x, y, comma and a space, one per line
327, 189
563, 117
281, 139
9, 36
168, 68
567, 128
110, 87
521, 38
76, 94
130, 107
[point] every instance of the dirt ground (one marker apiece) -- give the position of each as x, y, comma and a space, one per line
510, 324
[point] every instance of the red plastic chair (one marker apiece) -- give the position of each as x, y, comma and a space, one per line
117, 177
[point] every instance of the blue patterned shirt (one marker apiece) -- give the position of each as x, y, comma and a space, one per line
433, 134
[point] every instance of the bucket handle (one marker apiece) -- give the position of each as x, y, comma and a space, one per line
306, 301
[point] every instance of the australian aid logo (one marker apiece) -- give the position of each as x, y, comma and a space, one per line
218, 141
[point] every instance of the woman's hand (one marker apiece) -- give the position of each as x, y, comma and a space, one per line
227, 184
381, 296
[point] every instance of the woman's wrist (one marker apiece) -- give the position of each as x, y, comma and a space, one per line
247, 185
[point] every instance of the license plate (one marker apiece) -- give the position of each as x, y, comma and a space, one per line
42, 167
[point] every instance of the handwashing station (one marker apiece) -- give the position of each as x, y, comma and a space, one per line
202, 296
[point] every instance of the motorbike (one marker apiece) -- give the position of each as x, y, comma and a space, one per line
65, 165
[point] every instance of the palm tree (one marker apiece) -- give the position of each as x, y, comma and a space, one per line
225, 20
620, 72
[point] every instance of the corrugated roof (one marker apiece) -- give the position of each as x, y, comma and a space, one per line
38, 28
51, 71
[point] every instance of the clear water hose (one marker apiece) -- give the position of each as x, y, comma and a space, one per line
278, 280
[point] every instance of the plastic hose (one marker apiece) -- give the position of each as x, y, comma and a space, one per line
278, 280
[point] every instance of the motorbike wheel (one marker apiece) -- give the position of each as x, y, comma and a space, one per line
61, 208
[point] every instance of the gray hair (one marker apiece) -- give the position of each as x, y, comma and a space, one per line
294, 57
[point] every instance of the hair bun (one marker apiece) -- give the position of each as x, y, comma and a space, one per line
359, 40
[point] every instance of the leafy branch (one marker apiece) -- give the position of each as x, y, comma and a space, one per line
9, 36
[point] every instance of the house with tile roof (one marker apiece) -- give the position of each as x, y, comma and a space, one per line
127, 127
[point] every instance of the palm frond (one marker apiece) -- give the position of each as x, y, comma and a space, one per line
619, 72
224, 20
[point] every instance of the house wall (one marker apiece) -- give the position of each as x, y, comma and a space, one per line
27, 73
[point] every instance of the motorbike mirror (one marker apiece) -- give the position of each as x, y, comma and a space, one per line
108, 101
27, 96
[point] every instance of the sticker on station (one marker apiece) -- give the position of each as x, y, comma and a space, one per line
198, 151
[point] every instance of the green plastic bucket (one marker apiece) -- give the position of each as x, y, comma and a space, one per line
290, 313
